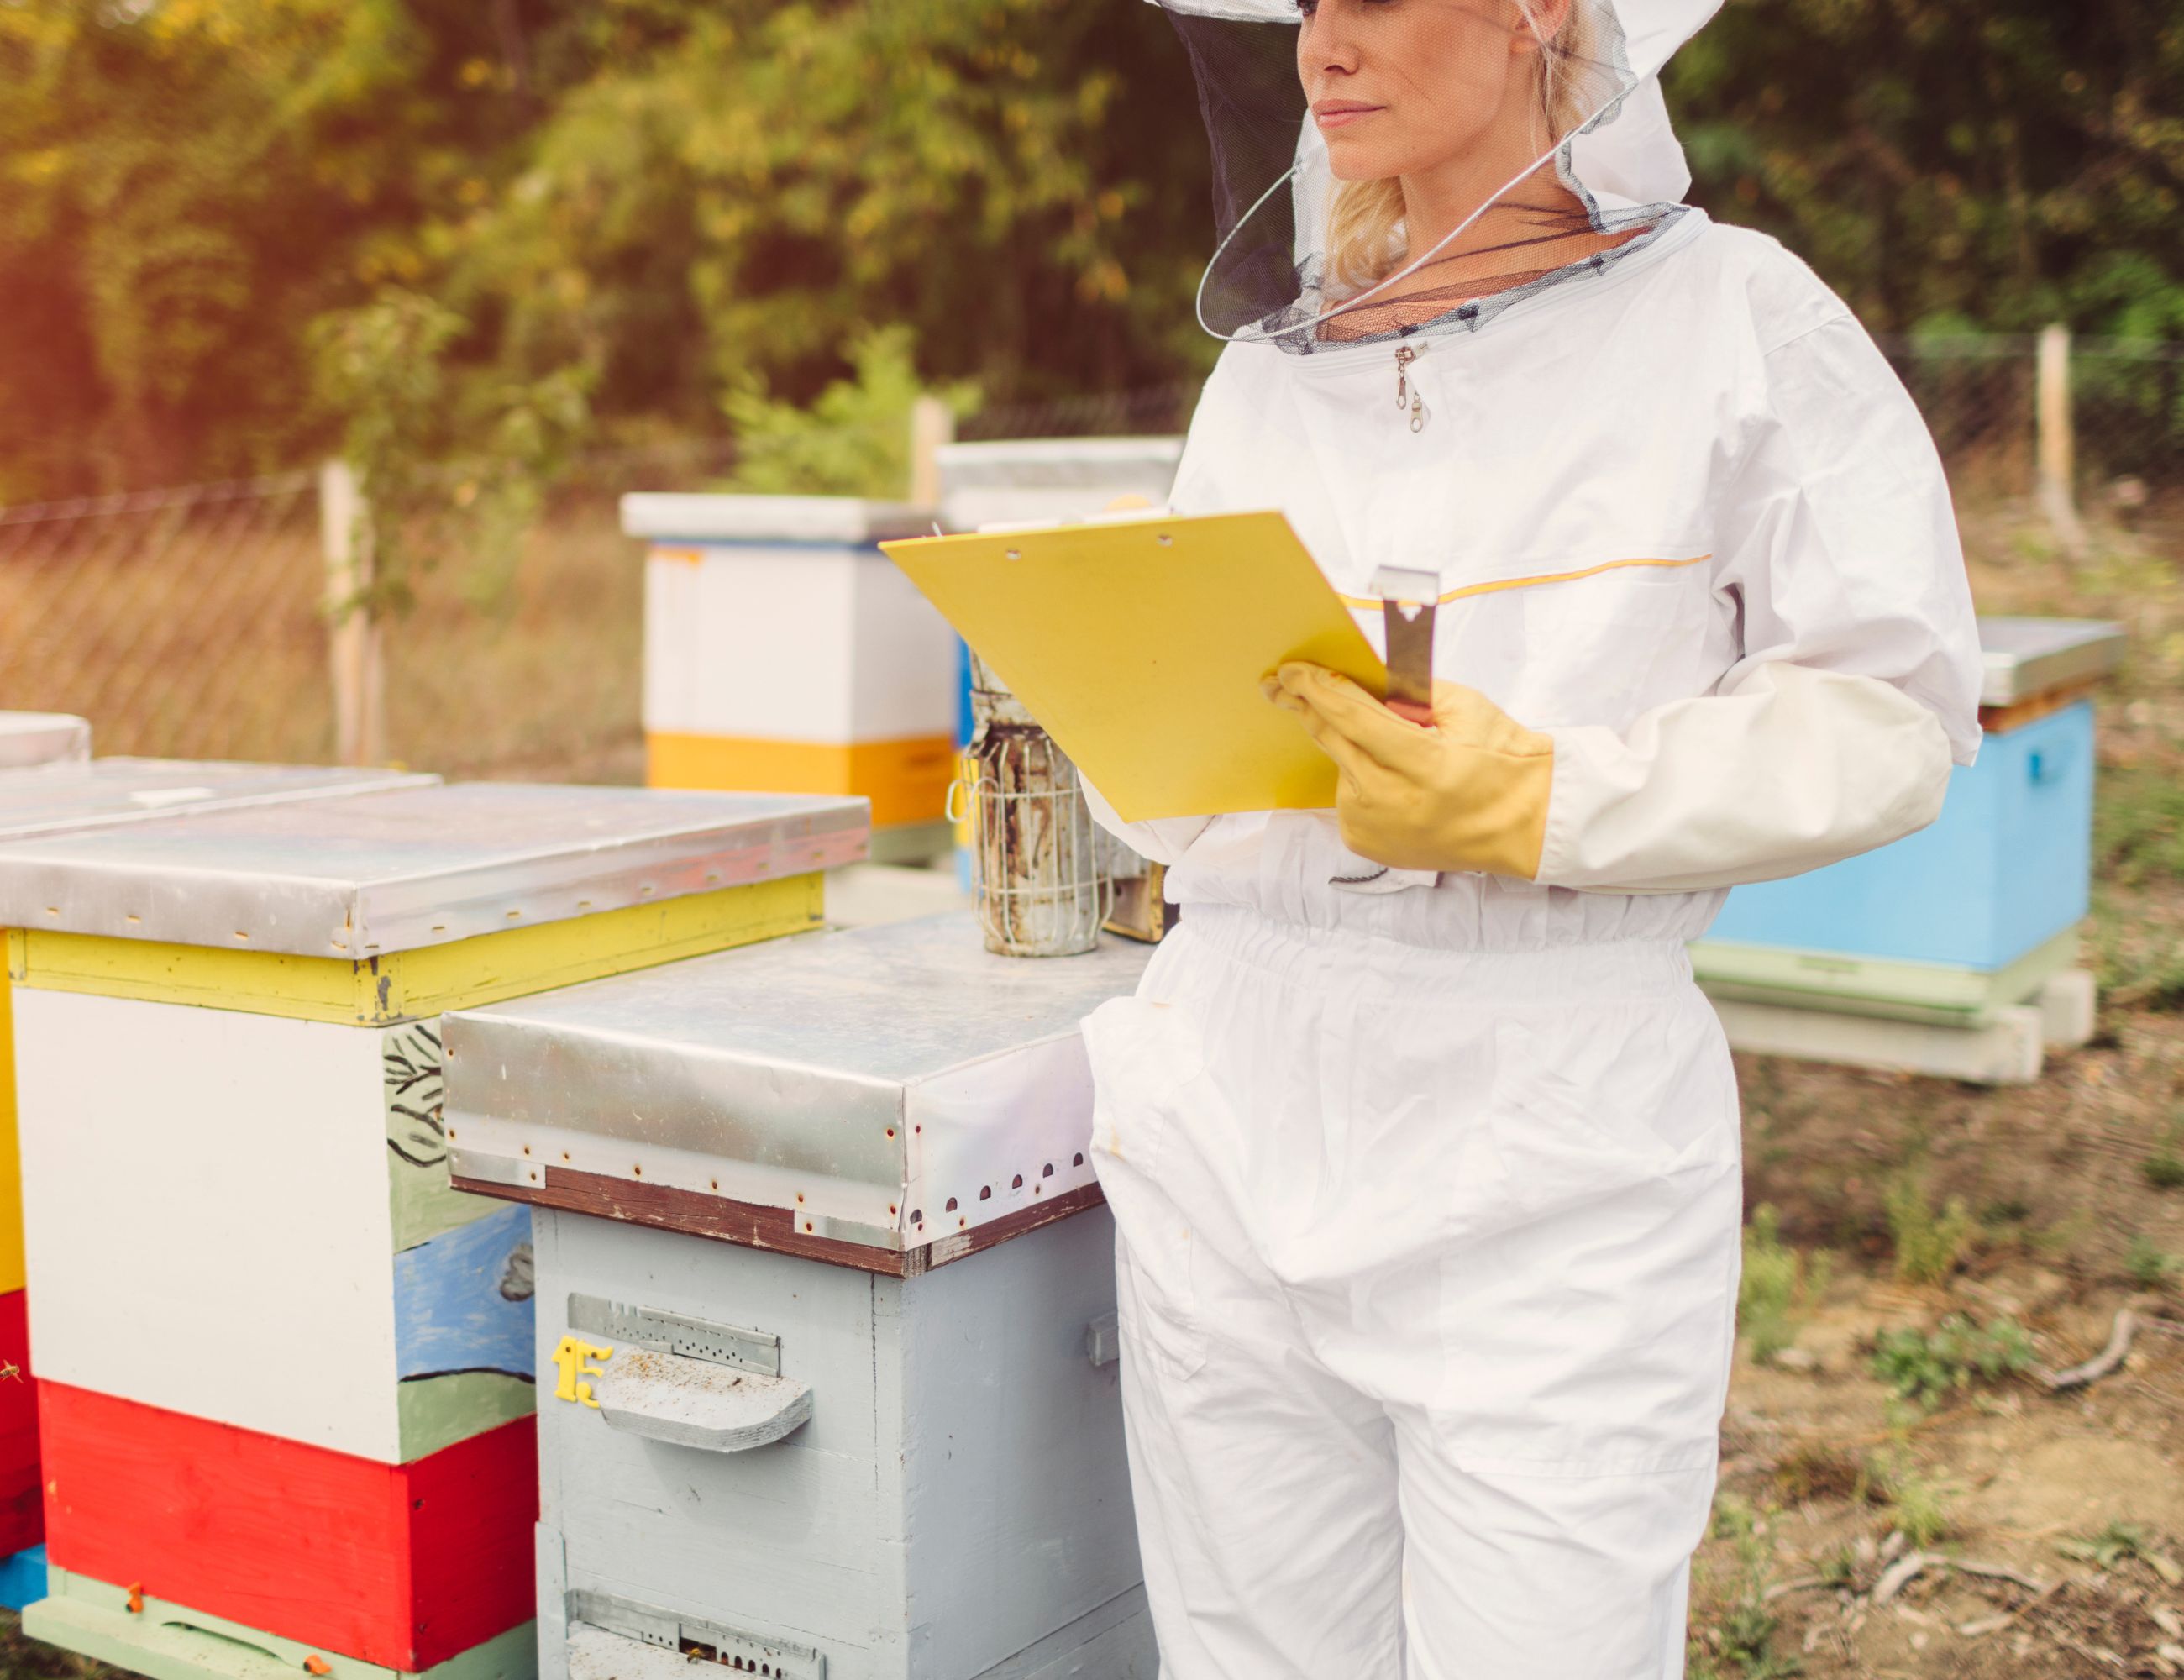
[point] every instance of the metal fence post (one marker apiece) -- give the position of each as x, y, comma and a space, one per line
2058, 441
932, 425
355, 654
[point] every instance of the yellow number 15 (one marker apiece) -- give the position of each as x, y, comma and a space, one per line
569, 1364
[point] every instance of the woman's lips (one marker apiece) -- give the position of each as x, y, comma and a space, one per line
1335, 116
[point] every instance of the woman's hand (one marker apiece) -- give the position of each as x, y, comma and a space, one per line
1470, 793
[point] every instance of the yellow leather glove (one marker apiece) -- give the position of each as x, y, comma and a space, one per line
1470, 793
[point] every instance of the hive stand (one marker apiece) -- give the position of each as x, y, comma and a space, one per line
1951, 953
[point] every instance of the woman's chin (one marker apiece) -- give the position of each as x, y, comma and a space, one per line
1358, 163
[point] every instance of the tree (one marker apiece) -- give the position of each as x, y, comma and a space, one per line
635, 210
672, 198
1999, 165
185, 186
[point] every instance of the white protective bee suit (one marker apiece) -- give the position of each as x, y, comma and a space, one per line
1427, 1183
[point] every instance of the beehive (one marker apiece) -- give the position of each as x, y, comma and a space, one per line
783, 650
826, 1292
286, 1378
2004, 873
64, 793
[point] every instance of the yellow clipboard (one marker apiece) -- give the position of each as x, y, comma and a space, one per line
1139, 644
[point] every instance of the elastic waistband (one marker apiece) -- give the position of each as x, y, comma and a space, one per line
1623, 968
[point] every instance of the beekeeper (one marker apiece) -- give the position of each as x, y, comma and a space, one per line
1422, 1144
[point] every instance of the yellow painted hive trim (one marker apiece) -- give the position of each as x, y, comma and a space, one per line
11, 1167
405, 984
1501, 584
906, 780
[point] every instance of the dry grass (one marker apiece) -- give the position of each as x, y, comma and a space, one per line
540, 684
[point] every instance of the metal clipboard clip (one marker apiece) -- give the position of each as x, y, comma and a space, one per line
1407, 606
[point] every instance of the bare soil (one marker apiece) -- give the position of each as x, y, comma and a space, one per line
2080, 1494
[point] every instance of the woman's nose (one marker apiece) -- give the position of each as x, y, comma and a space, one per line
1331, 43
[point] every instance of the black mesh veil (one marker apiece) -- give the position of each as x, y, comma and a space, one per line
1384, 168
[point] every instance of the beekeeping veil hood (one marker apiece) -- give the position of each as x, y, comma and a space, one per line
1538, 124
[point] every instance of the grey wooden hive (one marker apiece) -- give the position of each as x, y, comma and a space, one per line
838, 1434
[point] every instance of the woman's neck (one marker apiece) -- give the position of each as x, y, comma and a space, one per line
1515, 232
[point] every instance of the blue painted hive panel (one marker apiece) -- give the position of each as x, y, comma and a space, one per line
2006, 868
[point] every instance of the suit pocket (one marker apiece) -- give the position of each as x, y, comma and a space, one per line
1148, 1058
1583, 1113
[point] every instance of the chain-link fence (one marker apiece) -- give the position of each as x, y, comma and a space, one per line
1980, 395
184, 622
2127, 407
192, 622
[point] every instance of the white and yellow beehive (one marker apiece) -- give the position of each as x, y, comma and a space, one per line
784, 653
285, 1371
49, 787
1050, 480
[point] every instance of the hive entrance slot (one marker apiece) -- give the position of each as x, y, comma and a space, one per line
592, 1615
671, 1332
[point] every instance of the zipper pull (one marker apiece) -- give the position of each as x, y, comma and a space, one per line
1408, 395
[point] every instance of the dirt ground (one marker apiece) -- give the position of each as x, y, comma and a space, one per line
1997, 1528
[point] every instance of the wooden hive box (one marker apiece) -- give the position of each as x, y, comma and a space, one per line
63, 793
825, 1325
782, 649
2006, 871
285, 1372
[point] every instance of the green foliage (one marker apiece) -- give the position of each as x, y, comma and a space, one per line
185, 186
1922, 1511
676, 199
1737, 1643
2138, 826
2138, 963
2005, 163
2150, 1266
854, 440
1930, 1244
1778, 1286
1918, 1503
2119, 1542
2163, 1170
446, 464
660, 203
1925, 1367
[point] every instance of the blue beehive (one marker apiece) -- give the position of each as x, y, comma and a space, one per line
2008, 866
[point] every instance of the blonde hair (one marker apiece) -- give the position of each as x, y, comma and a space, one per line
1365, 237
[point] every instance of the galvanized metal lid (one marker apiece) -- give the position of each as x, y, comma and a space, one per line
61, 799
42, 739
390, 871
1051, 479
2029, 657
890, 1087
767, 520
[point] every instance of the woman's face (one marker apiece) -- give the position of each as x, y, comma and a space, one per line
1400, 87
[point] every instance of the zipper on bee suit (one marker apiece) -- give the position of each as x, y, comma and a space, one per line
1407, 394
